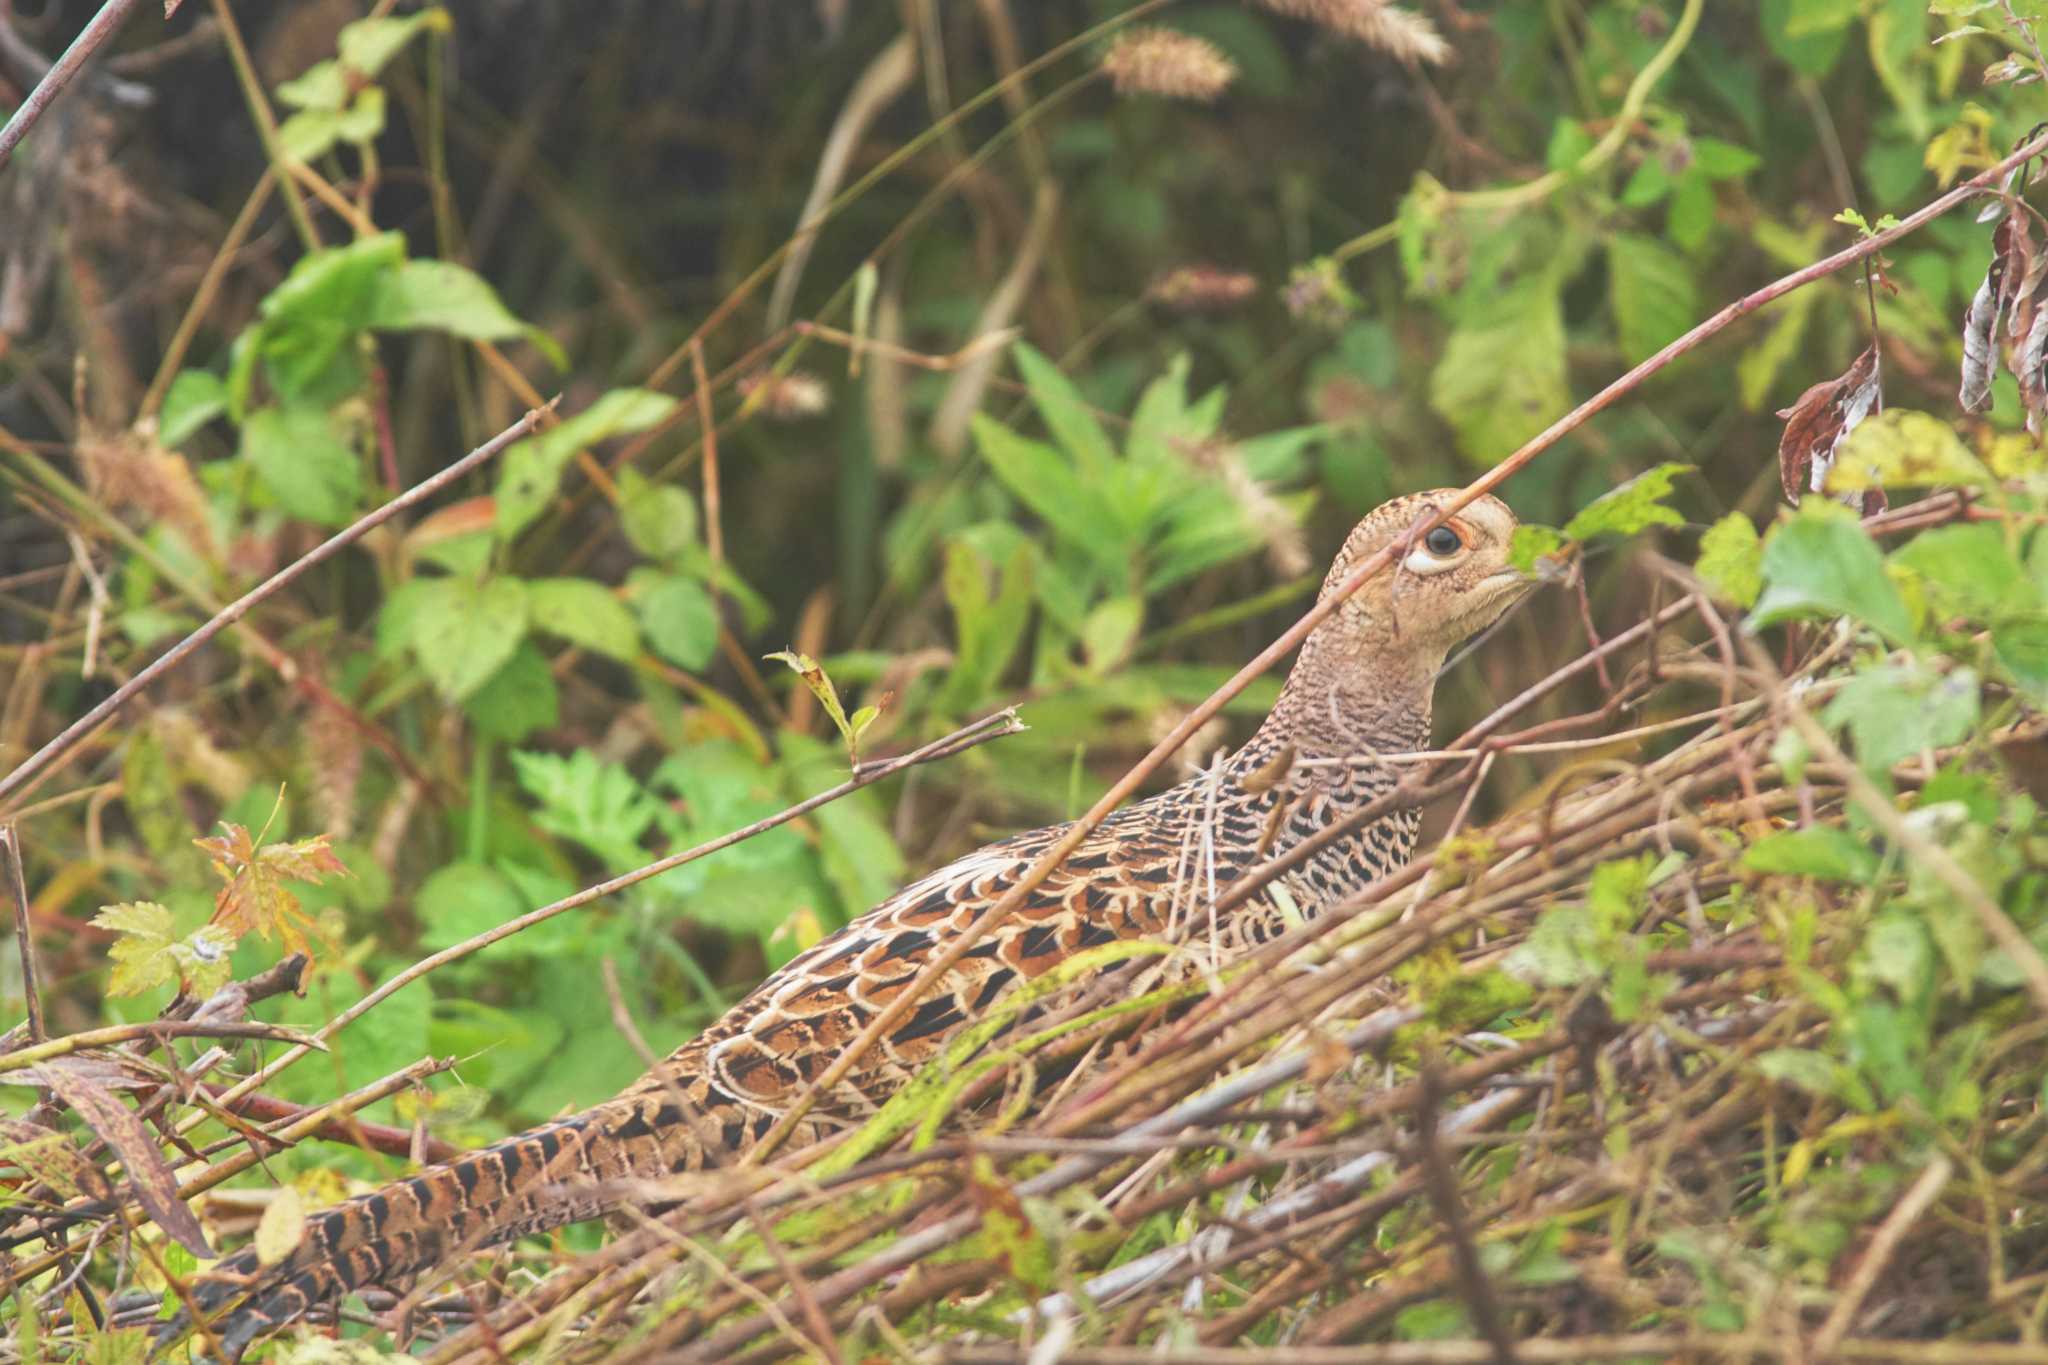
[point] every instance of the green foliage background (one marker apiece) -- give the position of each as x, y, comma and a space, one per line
526, 689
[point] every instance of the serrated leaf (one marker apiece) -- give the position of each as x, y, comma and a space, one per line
462, 630
1535, 549
141, 953
1501, 382
1900, 448
311, 472
1822, 563
585, 613
1635, 506
255, 895
1731, 560
1652, 292
516, 700
533, 468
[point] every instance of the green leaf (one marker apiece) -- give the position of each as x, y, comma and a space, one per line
463, 630
1068, 416
516, 700
1634, 506
441, 296
318, 309
532, 469
1690, 219
598, 804
1808, 35
1039, 478
2022, 648
367, 44
584, 613
141, 950
1894, 711
1824, 851
1502, 382
322, 86
988, 627
1900, 448
1532, 544
1652, 291
659, 520
1758, 369
460, 900
1110, 631
813, 675
1814, 1072
1650, 183
1970, 571
1821, 563
1731, 560
312, 473
1720, 160
195, 398
679, 618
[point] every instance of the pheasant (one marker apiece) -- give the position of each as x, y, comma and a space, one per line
1361, 686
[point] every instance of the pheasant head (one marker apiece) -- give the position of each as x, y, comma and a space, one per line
1366, 674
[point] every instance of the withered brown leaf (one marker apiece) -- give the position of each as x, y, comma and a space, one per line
155, 1186
1816, 424
256, 896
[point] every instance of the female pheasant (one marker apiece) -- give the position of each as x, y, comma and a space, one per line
1360, 687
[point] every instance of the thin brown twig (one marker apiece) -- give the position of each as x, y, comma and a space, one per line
24, 931
92, 720
102, 26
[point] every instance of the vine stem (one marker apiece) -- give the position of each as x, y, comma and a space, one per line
1594, 157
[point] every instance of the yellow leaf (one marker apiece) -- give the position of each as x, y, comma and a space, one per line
282, 1225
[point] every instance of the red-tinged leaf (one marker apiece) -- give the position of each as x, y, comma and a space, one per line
1816, 424
155, 1187
256, 896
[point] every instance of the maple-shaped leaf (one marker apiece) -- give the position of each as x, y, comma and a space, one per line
147, 952
256, 896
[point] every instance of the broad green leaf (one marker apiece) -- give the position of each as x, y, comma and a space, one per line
1814, 1072
585, 613
516, 700
1900, 448
1720, 160
1634, 506
1651, 289
1068, 416
1808, 35
1533, 543
1969, 570
1895, 711
988, 626
1044, 482
367, 44
1824, 851
678, 616
2022, 648
598, 804
441, 296
460, 900
1110, 631
195, 398
1821, 563
319, 308
141, 950
532, 469
659, 519
463, 630
321, 86
1502, 382
311, 472
1731, 560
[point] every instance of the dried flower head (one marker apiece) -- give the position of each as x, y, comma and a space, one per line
786, 397
1159, 61
1203, 289
1316, 294
1403, 35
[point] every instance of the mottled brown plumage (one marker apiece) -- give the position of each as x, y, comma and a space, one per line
1361, 687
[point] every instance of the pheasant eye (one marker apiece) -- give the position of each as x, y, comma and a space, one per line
1443, 542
